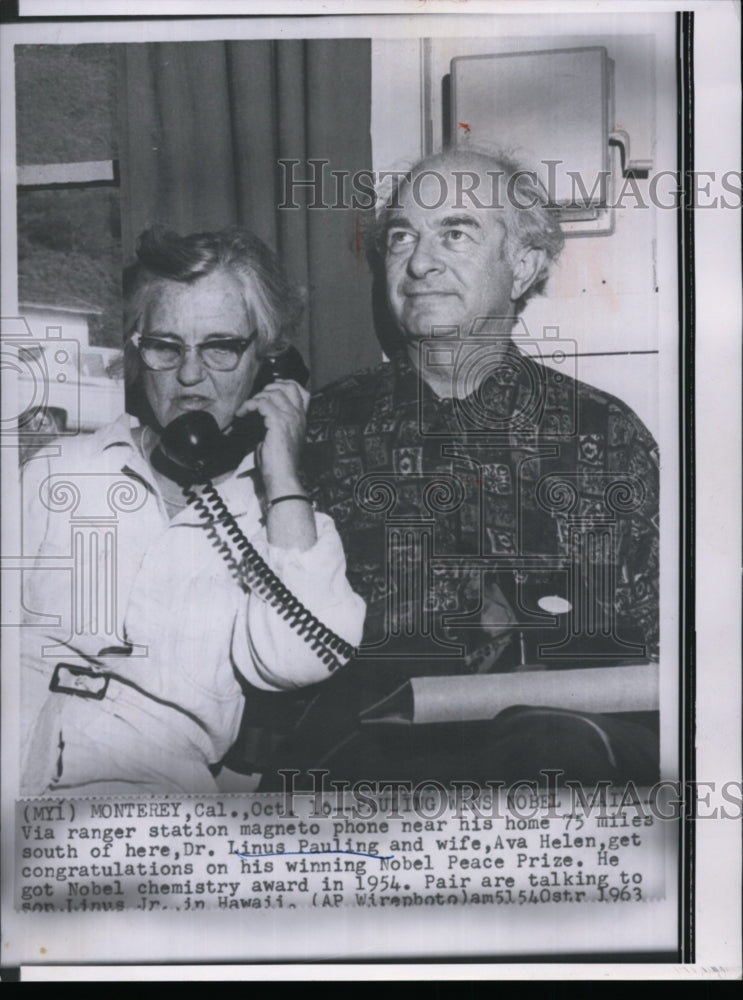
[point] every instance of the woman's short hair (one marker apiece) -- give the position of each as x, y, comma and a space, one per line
274, 303
531, 219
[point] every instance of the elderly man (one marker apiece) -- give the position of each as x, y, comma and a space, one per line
497, 514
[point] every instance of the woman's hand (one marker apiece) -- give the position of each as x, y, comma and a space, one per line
283, 405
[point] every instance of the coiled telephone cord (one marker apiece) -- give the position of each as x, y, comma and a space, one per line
254, 575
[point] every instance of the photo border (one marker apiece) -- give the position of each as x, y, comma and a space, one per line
687, 261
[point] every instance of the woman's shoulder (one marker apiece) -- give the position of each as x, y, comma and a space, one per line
350, 399
81, 453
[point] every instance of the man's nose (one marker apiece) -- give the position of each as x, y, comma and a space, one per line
191, 369
425, 258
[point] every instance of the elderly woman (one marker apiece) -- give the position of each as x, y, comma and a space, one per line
141, 686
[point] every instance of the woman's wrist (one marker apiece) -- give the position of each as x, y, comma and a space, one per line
276, 486
289, 498
290, 523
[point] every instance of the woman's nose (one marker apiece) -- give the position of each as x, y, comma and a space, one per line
191, 369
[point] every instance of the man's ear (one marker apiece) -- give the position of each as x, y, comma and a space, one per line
526, 271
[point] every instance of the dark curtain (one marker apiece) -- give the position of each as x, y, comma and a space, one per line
203, 127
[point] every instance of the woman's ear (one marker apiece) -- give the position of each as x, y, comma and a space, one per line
528, 267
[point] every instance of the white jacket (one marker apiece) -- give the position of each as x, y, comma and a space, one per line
112, 570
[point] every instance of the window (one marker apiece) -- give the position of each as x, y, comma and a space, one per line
69, 223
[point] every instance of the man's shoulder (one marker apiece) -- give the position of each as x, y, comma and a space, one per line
592, 407
350, 398
362, 380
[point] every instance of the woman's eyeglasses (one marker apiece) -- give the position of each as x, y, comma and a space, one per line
221, 354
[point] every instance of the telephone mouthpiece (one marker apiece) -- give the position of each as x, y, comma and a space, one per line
188, 446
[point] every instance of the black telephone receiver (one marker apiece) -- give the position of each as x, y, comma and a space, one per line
193, 451
192, 448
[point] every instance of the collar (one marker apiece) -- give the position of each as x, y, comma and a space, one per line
115, 444
513, 360
115, 435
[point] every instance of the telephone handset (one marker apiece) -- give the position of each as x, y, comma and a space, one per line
192, 448
193, 451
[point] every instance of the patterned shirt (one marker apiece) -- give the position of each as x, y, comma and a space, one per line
515, 527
